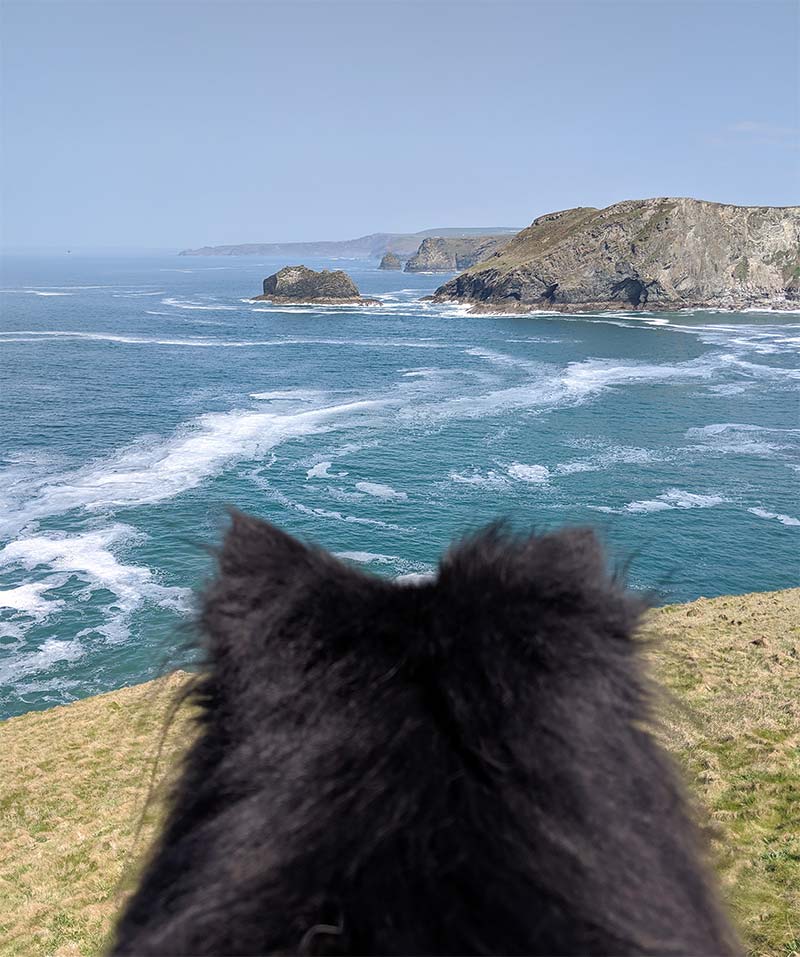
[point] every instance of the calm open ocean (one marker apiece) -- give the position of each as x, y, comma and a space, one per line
142, 396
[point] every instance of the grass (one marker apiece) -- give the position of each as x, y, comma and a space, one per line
74, 824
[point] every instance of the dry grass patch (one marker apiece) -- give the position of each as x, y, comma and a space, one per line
74, 824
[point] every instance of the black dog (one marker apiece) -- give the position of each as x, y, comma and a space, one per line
458, 766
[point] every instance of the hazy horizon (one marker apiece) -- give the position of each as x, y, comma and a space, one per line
164, 126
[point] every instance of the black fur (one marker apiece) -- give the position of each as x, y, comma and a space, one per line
460, 766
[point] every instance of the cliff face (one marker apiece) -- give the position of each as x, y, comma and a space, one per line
448, 254
659, 254
299, 284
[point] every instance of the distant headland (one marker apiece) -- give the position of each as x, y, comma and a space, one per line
373, 246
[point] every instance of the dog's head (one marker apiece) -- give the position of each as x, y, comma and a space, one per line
458, 764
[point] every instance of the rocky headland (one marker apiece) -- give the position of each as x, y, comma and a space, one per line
449, 254
391, 261
299, 285
656, 254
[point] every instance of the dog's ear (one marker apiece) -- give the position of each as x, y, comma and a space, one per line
255, 549
568, 560
549, 585
272, 596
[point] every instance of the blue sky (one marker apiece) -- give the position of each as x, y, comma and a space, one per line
171, 124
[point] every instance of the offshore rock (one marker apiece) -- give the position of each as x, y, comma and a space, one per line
296, 285
656, 254
391, 261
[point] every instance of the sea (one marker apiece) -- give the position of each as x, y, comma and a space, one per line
144, 396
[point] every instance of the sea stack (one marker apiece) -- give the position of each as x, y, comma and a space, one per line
297, 285
657, 254
391, 261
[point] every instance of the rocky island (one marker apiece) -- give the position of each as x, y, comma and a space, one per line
449, 254
299, 285
656, 254
391, 261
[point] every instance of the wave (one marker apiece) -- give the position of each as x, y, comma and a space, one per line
84, 564
51, 651
29, 600
156, 469
288, 503
378, 490
672, 498
320, 470
783, 519
538, 474
87, 557
490, 479
615, 455
193, 304
296, 395
733, 438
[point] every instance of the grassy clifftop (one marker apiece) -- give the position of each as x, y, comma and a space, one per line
75, 780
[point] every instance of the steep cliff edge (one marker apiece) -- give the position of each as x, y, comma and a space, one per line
447, 254
296, 285
658, 254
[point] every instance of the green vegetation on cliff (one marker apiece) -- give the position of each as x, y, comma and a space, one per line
663, 253
75, 818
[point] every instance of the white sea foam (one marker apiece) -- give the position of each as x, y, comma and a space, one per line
420, 373
296, 395
332, 515
193, 304
29, 599
381, 491
49, 653
538, 474
156, 469
672, 498
608, 458
490, 479
783, 519
320, 470
88, 557
734, 438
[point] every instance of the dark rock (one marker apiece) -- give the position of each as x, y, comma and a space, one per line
299, 284
391, 261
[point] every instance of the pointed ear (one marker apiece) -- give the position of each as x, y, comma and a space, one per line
559, 577
263, 575
254, 548
571, 556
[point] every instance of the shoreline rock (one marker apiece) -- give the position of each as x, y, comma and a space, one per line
658, 255
299, 285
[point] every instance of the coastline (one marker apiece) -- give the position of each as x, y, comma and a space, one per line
78, 777
321, 301
482, 307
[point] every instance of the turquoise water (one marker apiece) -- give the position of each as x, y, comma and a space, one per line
141, 397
